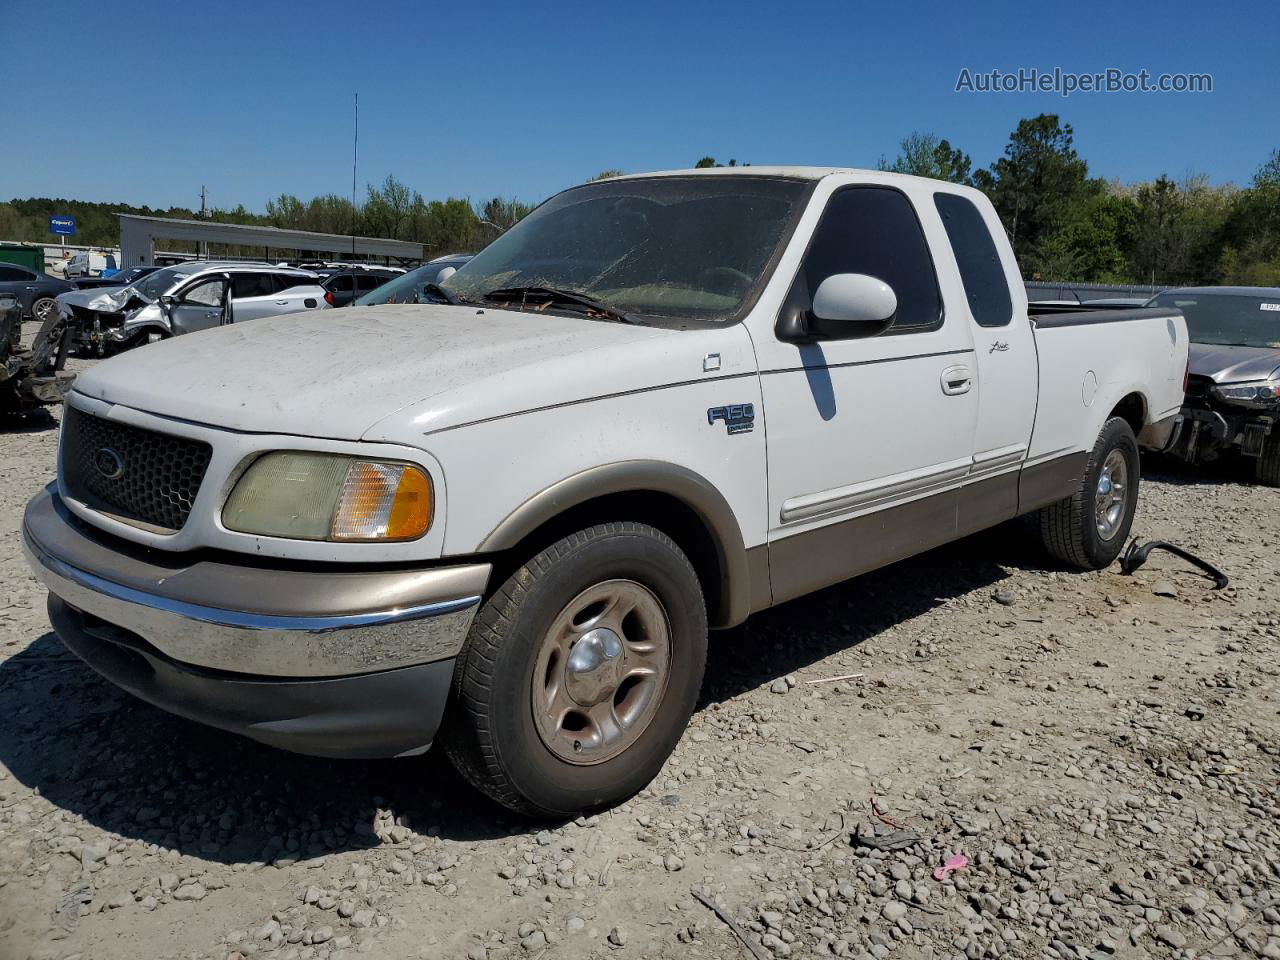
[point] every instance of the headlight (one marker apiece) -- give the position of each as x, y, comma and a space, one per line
1252, 393
319, 496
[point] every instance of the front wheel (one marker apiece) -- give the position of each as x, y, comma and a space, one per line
580, 672
1267, 467
1088, 529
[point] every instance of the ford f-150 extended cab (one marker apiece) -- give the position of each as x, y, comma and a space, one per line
505, 521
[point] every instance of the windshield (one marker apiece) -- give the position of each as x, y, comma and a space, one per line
407, 288
160, 282
1229, 320
688, 248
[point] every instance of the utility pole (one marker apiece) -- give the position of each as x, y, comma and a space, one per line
355, 145
202, 251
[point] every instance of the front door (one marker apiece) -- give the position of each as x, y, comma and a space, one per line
200, 306
868, 440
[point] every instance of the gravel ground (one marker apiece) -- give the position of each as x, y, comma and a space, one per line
1103, 749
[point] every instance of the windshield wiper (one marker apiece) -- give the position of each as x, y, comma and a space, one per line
555, 296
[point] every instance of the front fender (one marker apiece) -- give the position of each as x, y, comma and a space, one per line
647, 476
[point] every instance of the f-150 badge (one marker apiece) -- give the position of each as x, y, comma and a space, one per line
737, 417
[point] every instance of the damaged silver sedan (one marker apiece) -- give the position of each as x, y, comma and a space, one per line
183, 299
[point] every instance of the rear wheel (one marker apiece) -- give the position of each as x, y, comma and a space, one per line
580, 672
1088, 529
1267, 468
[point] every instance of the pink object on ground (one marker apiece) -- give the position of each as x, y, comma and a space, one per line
957, 862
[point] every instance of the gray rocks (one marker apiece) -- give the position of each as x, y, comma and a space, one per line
893, 911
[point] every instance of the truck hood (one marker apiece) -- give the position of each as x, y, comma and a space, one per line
339, 373
1233, 364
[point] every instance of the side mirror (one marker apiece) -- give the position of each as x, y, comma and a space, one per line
849, 305
845, 306
445, 274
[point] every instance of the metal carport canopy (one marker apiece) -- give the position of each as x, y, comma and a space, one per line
138, 235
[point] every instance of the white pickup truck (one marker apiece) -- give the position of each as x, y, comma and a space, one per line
505, 521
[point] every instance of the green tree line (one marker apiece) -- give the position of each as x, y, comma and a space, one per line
1068, 226
1064, 224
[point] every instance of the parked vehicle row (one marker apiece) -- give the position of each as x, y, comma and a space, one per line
119, 278
502, 517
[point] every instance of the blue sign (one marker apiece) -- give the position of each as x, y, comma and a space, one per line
63, 226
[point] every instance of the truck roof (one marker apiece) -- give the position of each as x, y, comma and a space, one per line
794, 172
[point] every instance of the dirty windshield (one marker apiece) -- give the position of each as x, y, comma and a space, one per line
1226, 319
685, 248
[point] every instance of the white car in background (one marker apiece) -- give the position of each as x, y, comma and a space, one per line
88, 264
184, 299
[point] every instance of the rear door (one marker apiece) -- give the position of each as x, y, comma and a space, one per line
253, 295
869, 440
1005, 356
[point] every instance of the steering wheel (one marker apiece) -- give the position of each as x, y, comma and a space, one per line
727, 279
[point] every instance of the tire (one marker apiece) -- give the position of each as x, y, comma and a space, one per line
41, 307
500, 732
1267, 468
1070, 528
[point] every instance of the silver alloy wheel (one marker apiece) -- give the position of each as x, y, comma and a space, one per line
41, 308
1111, 498
601, 672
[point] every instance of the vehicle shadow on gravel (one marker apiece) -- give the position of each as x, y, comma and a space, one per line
1229, 471
795, 635
144, 774
35, 421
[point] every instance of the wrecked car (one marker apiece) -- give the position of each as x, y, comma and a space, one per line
183, 299
30, 378
1233, 384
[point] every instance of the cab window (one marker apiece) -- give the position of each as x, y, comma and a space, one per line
874, 230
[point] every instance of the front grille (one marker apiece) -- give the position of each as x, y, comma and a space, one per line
137, 474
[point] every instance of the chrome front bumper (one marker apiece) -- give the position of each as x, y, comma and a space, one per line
251, 619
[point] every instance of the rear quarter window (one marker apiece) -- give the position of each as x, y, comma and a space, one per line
985, 285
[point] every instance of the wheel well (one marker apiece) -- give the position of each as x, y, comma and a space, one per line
662, 511
1133, 409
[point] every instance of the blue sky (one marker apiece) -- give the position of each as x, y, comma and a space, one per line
523, 99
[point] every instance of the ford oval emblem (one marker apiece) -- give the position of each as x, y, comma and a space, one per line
109, 463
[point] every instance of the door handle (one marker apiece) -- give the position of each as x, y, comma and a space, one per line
283, 303
956, 380
214, 313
